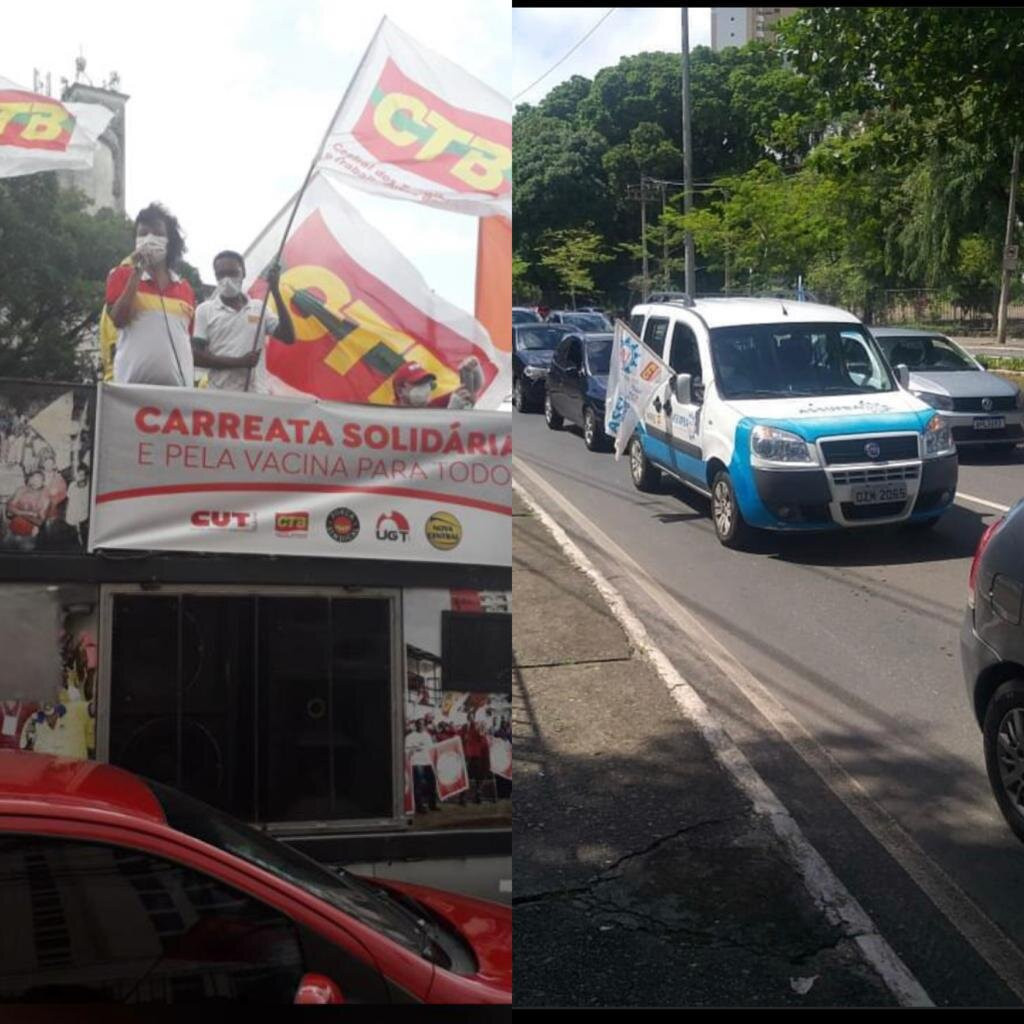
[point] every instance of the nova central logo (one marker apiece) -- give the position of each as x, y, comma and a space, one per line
393, 527
209, 520
649, 372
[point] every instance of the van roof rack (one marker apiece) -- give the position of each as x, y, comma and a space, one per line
681, 297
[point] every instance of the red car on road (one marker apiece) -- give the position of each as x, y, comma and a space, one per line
117, 889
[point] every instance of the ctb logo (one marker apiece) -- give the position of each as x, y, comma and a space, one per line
209, 520
291, 524
393, 527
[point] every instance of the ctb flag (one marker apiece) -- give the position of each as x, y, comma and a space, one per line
415, 126
39, 133
365, 320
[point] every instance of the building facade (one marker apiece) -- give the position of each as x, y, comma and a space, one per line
736, 26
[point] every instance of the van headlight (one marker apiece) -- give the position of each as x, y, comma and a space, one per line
770, 444
935, 401
938, 438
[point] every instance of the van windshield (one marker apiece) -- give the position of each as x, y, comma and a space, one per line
804, 359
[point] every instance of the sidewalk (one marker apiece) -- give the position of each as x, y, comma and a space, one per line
642, 876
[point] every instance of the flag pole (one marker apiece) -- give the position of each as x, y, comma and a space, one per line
305, 185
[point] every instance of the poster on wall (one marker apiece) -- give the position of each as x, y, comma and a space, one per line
218, 472
59, 715
458, 741
45, 466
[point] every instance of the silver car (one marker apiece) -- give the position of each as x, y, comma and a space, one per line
982, 409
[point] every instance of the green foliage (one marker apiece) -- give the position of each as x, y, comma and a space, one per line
54, 259
571, 255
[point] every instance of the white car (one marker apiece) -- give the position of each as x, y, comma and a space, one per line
981, 408
788, 417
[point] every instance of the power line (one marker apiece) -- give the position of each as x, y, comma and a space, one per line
566, 57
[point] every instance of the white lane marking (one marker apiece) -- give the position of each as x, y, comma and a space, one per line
827, 891
998, 951
983, 501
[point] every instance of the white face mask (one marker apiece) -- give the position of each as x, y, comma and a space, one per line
419, 394
230, 287
155, 244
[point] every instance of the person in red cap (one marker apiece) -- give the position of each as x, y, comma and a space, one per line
413, 385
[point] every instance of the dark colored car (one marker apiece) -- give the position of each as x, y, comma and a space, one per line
593, 323
119, 889
532, 348
524, 315
577, 385
992, 654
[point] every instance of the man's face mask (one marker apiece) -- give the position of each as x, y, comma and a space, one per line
419, 394
230, 287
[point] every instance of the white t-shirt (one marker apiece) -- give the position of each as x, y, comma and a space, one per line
77, 510
418, 744
230, 332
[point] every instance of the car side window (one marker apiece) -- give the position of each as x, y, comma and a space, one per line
636, 324
574, 352
684, 355
654, 334
89, 922
560, 358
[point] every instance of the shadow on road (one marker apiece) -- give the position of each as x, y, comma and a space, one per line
991, 456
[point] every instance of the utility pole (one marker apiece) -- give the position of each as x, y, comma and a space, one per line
691, 262
1009, 249
666, 281
643, 192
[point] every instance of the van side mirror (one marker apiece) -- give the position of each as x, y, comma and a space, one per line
683, 389
903, 375
316, 990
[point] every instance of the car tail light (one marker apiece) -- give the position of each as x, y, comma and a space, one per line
982, 544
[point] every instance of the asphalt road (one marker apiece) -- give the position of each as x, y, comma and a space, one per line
856, 635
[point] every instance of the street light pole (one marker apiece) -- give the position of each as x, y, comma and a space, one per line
691, 261
1009, 256
643, 235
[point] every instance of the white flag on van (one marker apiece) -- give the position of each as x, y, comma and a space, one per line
635, 376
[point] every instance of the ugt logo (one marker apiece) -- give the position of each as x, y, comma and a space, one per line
393, 527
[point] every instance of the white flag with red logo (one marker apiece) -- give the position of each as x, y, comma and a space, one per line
39, 133
500, 757
368, 328
415, 126
635, 375
449, 768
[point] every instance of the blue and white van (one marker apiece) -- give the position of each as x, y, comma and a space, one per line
788, 417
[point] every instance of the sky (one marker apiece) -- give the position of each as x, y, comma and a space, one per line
542, 35
229, 102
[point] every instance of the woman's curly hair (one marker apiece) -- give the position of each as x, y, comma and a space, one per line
175, 236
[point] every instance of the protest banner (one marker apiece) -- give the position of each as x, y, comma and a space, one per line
500, 757
449, 768
198, 470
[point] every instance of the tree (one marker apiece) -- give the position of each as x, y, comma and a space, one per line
523, 290
54, 259
571, 255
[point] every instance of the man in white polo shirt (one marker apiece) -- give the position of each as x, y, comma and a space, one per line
224, 340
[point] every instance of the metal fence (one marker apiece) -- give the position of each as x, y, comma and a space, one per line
923, 305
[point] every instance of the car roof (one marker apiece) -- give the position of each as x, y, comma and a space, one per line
739, 312
904, 332
71, 783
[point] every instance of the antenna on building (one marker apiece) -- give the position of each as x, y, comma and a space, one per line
37, 81
115, 80
49, 84
80, 67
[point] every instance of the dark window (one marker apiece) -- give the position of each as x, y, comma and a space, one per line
477, 651
636, 324
574, 352
684, 356
87, 922
273, 709
654, 334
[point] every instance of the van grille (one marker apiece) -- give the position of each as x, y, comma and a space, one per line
902, 446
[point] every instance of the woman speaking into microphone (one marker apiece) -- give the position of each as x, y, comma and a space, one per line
152, 307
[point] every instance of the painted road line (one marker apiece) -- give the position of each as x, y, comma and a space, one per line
835, 901
983, 501
959, 909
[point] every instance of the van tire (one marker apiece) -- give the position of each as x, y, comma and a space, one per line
731, 528
551, 418
645, 477
1004, 709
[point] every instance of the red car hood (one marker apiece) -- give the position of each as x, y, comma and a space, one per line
487, 927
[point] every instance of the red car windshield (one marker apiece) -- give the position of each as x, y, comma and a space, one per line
367, 904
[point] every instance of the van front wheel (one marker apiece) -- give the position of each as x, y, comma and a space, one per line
730, 527
645, 477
